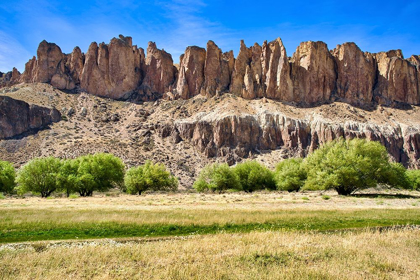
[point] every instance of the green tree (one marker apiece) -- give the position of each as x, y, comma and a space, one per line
290, 175
414, 178
98, 172
39, 176
7, 177
254, 176
395, 176
347, 166
67, 178
149, 176
217, 177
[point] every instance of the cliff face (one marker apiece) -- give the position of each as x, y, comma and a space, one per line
18, 117
240, 136
313, 75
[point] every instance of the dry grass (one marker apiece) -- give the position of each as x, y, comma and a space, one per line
256, 255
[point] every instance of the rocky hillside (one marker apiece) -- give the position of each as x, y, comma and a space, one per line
260, 105
187, 134
313, 75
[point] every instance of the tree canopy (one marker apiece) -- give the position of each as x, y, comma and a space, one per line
347, 166
290, 175
217, 177
7, 177
149, 176
254, 176
39, 176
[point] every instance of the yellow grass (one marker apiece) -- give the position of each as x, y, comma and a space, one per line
256, 255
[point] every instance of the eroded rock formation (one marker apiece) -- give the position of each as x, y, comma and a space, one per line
312, 76
246, 134
18, 117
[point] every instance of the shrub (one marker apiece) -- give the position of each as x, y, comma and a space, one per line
290, 175
39, 176
7, 177
254, 176
347, 166
217, 177
414, 179
149, 177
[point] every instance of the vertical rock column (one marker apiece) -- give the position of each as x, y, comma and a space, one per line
191, 72
313, 73
356, 74
217, 70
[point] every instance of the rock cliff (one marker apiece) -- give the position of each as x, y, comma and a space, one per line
313, 75
18, 117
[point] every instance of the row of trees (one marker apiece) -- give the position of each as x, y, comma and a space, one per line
345, 166
83, 175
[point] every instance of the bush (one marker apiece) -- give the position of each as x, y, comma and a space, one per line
347, 166
149, 177
414, 179
290, 175
217, 177
254, 176
39, 176
98, 172
7, 177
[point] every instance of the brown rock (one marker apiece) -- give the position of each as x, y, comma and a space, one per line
243, 134
276, 71
160, 73
49, 62
20, 117
29, 73
242, 61
356, 74
253, 75
217, 70
313, 73
15, 75
75, 64
397, 79
113, 70
191, 72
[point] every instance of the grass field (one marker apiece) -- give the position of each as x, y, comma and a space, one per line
206, 236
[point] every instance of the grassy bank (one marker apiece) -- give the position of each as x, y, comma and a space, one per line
255, 255
53, 224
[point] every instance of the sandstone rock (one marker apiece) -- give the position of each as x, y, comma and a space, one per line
15, 75
313, 73
19, 117
356, 74
113, 70
29, 73
75, 64
245, 134
239, 71
217, 70
160, 71
191, 72
253, 75
49, 61
276, 71
397, 79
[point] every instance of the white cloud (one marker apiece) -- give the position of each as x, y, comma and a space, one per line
12, 53
188, 26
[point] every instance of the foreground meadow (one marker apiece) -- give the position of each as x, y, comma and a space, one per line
208, 236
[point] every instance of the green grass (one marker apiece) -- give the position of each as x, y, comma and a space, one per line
23, 225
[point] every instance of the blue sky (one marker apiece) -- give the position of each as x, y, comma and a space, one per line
374, 25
